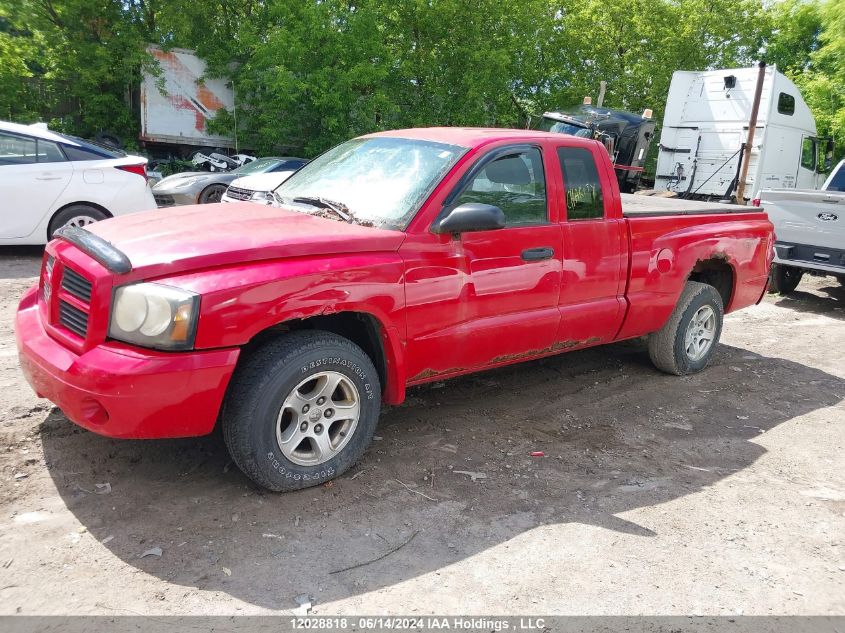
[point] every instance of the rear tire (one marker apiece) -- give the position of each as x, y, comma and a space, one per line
685, 344
301, 410
784, 279
212, 194
74, 215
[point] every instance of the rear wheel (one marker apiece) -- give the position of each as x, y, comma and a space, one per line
685, 344
301, 410
75, 215
212, 194
784, 279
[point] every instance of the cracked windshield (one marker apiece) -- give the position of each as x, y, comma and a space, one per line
376, 181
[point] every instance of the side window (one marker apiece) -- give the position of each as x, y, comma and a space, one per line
49, 152
808, 153
16, 150
515, 183
80, 153
786, 104
581, 181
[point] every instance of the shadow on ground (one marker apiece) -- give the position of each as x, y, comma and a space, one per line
20, 262
830, 300
616, 434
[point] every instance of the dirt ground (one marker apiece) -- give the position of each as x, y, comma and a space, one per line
720, 493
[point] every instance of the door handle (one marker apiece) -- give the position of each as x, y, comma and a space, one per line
48, 177
537, 254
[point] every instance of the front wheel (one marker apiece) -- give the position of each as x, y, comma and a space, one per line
301, 410
212, 194
784, 279
685, 344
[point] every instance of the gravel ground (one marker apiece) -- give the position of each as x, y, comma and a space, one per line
720, 493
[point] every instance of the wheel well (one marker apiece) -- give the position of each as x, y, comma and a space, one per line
718, 273
359, 327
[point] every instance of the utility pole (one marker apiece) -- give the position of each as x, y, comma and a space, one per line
749, 143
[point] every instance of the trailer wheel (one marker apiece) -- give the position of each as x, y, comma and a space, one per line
784, 279
685, 344
301, 410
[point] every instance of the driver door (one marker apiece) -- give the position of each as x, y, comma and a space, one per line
488, 297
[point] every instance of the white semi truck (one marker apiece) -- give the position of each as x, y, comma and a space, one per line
705, 129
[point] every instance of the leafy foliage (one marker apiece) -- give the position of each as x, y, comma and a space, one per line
311, 73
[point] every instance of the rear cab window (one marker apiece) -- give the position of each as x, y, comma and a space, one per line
584, 200
837, 181
515, 183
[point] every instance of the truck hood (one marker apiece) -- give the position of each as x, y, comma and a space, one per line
174, 240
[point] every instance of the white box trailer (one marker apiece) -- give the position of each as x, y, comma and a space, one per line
179, 114
706, 124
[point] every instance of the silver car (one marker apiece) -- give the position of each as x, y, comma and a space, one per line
203, 187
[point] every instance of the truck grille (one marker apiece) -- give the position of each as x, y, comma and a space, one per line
75, 284
239, 194
73, 318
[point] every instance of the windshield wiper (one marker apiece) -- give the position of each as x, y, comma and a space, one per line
338, 207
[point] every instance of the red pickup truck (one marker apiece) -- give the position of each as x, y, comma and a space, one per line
391, 260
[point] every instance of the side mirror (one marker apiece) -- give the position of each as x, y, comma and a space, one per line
471, 216
828, 155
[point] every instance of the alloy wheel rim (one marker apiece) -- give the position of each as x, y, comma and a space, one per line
80, 221
317, 419
700, 334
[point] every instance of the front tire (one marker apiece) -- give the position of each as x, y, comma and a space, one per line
301, 410
685, 344
75, 215
784, 279
212, 194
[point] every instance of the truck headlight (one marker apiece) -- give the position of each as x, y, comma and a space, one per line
262, 196
153, 315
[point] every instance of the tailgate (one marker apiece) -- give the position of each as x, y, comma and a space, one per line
810, 218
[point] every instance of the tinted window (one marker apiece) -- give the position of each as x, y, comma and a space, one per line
786, 104
16, 150
808, 153
82, 153
515, 183
582, 184
101, 150
49, 152
837, 182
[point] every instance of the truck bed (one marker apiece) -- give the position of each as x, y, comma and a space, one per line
649, 206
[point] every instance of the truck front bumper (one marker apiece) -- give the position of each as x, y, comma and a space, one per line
123, 391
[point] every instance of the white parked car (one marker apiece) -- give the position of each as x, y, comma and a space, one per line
49, 180
256, 187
